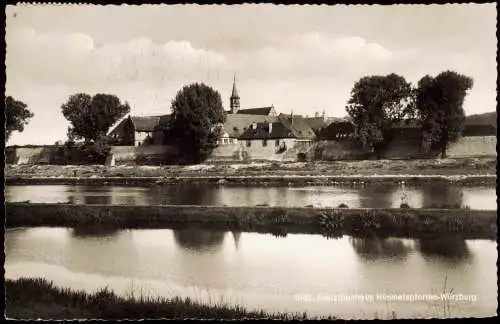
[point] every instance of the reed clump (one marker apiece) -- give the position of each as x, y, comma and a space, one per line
407, 223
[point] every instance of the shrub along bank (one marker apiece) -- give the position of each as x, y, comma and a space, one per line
330, 222
34, 298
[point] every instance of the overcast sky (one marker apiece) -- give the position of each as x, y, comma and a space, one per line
300, 58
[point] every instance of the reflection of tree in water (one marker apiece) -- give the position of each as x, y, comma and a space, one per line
236, 237
94, 231
376, 196
199, 239
445, 247
442, 195
374, 248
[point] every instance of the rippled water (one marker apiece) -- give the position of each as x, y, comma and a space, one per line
432, 195
262, 271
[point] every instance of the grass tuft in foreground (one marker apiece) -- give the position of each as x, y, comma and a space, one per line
28, 298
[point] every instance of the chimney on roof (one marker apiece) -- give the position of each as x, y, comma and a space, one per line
316, 114
324, 115
291, 117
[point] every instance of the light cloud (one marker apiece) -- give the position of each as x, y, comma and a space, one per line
298, 58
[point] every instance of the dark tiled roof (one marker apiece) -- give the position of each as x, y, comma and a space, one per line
147, 123
281, 128
300, 127
278, 130
256, 111
236, 124
141, 123
316, 122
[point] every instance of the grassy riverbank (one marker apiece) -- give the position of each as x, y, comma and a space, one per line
446, 167
404, 222
33, 298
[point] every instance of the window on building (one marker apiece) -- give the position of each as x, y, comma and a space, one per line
249, 143
264, 142
277, 142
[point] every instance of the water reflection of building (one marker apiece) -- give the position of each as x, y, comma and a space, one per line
89, 195
251, 196
442, 195
377, 196
183, 194
106, 195
449, 248
375, 248
199, 239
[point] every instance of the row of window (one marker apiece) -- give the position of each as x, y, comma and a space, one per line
225, 140
264, 143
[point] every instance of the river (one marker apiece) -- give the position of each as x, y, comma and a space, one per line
344, 277
432, 195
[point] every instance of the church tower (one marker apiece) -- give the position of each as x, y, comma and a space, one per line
234, 99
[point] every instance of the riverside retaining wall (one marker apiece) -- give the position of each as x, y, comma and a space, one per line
469, 146
147, 154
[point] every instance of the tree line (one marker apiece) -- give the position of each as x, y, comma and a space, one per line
194, 127
376, 106
379, 103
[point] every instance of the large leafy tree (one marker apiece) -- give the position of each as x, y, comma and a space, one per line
197, 114
378, 103
439, 102
91, 117
17, 116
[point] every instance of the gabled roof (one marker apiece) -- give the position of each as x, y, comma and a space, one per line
316, 122
117, 124
281, 128
278, 130
299, 126
148, 123
256, 111
145, 124
236, 124
142, 123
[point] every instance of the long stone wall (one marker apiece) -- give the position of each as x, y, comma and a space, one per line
227, 152
147, 154
402, 148
474, 146
338, 150
469, 146
31, 154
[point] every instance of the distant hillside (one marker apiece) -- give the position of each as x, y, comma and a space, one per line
489, 118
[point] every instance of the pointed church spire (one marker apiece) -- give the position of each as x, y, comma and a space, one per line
234, 100
235, 91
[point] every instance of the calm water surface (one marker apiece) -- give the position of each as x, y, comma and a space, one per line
374, 196
262, 271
